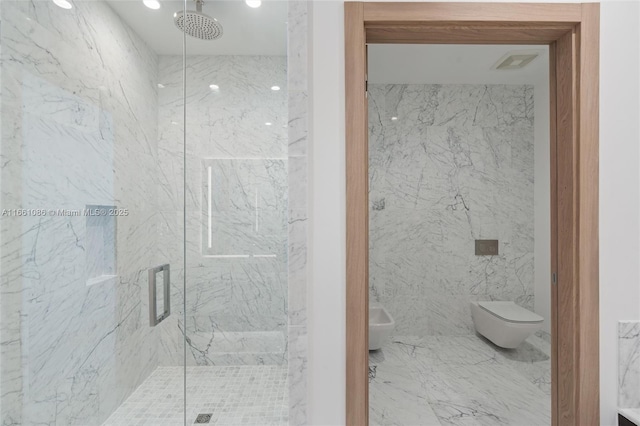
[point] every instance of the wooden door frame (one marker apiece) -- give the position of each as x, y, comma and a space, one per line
572, 33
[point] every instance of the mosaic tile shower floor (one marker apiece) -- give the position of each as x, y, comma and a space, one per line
234, 395
461, 381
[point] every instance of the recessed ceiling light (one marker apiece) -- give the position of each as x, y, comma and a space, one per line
214, 87
394, 118
267, 124
161, 86
275, 88
253, 3
515, 60
63, 4
152, 4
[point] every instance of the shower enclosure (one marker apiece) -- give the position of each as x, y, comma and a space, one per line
152, 232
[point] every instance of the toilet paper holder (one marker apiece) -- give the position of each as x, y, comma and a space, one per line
154, 319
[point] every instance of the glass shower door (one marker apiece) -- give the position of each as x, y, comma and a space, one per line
236, 300
92, 208
144, 153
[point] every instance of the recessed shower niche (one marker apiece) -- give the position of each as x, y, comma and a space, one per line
100, 243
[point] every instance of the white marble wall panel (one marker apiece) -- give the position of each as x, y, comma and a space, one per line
230, 289
449, 164
247, 214
79, 126
298, 82
629, 364
107, 80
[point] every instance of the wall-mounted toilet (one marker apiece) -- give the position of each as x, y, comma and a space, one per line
504, 323
380, 327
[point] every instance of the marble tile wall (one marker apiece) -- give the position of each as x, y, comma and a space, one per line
298, 85
239, 310
449, 164
629, 364
79, 126
236, 227
86, 95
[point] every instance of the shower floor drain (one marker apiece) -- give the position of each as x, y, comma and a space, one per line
203, 418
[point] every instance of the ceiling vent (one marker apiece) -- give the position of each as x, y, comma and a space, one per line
515, 60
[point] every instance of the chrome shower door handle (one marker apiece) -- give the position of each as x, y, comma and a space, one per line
154, 319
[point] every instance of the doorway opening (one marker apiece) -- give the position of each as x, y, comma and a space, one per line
571, 32
459, 234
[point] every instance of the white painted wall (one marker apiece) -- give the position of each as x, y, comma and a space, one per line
619, 187
326, 321
619, 202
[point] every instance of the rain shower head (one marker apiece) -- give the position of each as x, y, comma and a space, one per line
197, 24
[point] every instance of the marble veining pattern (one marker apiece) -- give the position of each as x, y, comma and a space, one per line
449, 164
78, 89
89, 82
236, 275
629, 364
298, 141
459, 380
233, 395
